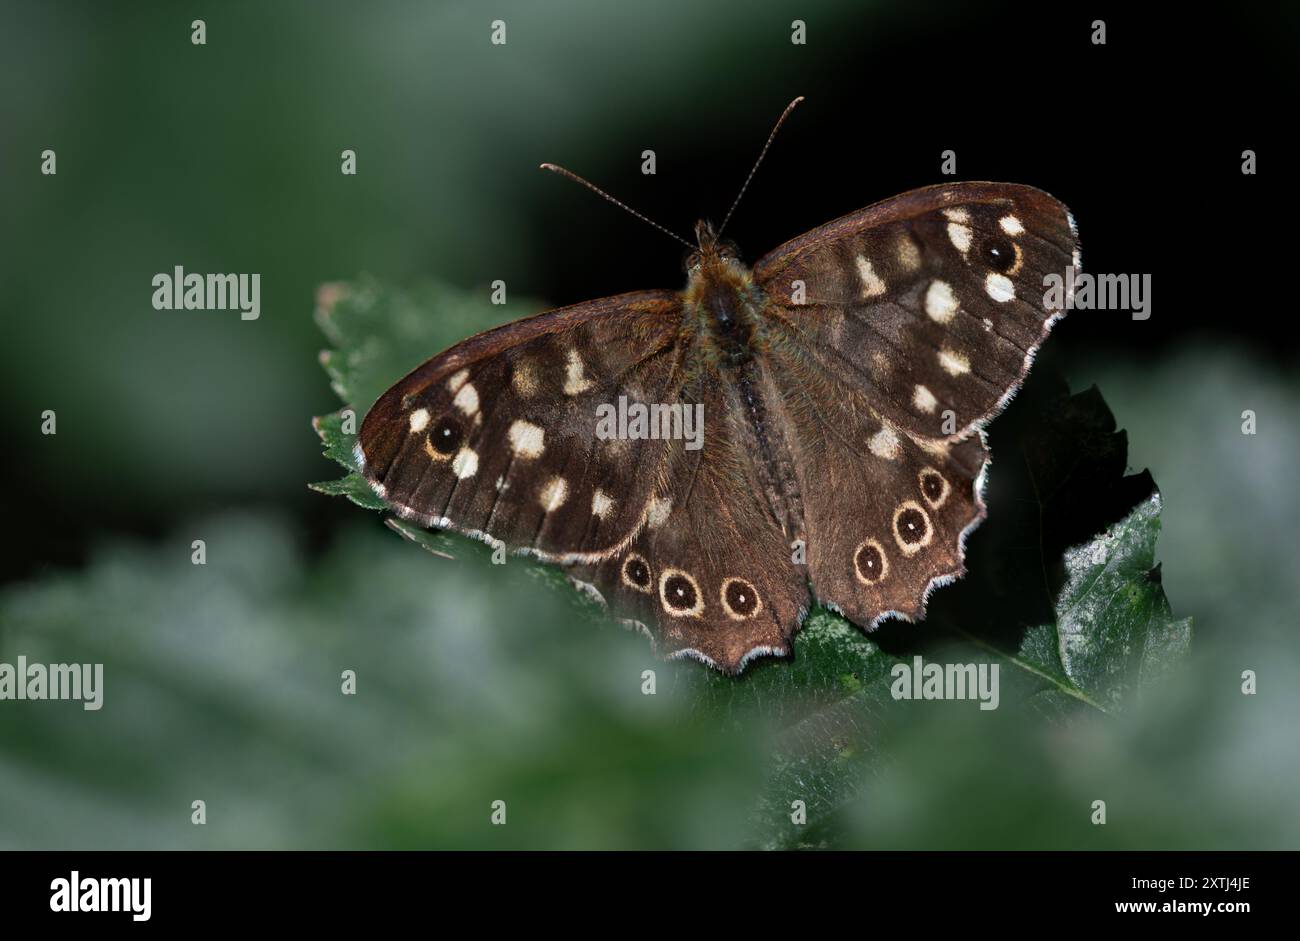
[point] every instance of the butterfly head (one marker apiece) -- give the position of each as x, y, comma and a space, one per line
718, 285
710, 251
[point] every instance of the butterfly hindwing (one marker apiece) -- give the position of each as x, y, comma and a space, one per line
495, 437
933, 302
885, 514
710, 575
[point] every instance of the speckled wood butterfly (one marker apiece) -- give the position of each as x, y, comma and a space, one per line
845, 379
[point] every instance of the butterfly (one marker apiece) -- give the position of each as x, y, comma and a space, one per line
845, 380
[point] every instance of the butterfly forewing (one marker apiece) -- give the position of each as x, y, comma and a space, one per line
495, 437
931, 303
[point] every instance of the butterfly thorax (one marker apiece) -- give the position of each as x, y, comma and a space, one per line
720, 293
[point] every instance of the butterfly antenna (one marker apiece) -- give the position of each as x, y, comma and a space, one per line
771, 137
624, 206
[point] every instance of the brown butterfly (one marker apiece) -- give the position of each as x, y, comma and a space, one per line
845, 382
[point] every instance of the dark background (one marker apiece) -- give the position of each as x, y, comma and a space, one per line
225, 158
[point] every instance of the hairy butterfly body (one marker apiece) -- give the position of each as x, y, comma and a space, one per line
845, 382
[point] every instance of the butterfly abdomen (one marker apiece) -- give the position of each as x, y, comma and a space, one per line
726, 305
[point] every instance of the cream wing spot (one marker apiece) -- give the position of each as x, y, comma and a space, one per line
957, 214
924, 400
458, 380
467, 399
1011, 225
601, 504
658, 511
999, 287
526, 439
465, 463
953, 363
523, 376
553, 494
960, 236
885, 443
872, 284
419, 420
909, 256
940, 301
575, 380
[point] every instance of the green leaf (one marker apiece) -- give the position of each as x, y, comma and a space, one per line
1114, 630
1064, 592
338, 447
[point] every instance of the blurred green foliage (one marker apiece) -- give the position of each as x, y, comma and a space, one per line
478, 683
